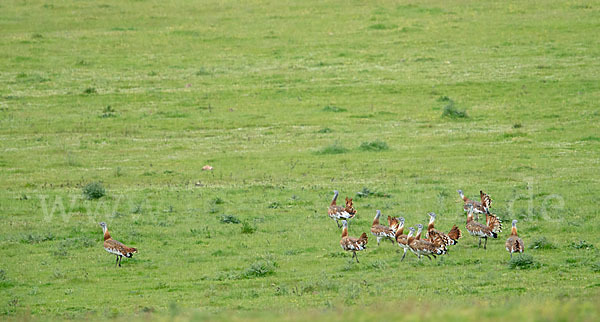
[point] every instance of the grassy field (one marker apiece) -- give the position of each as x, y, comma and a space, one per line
289, 100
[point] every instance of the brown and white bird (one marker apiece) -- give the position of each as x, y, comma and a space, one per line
421, 247
393, 223
514, 244
490, 230
338, 213
433, 233
116, 248
401, 239
381, 231
352, 244
478, 207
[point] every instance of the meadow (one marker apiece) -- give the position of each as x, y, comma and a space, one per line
397, 104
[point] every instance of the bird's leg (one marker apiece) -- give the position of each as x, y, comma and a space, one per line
117, 262
338, 223
484, 245
428, 257
356, 256
403, 255
378, 239
479, 243
433, 256
120, 259
510, 255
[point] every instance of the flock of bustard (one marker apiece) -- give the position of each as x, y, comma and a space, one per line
435, 242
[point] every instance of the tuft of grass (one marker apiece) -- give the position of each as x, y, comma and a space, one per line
90, 90
260, 269
333, 149
595, 267
591, 138
451, 111
523, 261
335, 109
247, 228
325, 130
376, 145
382, 26
94, 190
108, 111
229, 219
36, 238
366, 192
582, 244
542, 243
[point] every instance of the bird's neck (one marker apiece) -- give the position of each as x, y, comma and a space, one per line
376, 220
513, 231
344, 232
333, 202
106, 234
430, 226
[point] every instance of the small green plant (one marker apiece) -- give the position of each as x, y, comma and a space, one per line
325, 130
595, 267
366, 192
108, 111
35, 238
274, 205
582, 244
523, 261
229, 219
333, 149
335, 109
542, 243
376, 145
94, 190
90, 90
451, 111
247, 228
260, 269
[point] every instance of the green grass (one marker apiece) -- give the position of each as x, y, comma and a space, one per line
279, 97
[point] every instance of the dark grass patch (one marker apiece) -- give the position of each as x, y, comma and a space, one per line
383, 26
247, 228
582, 244
335, 109
260, 269
325, 130
542, 243
94, 190
595, 267
376, 145
90, 90
523, 261
451, 111
335, 148
229, 219
366, 192
591, 139
36, 238
108, 111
